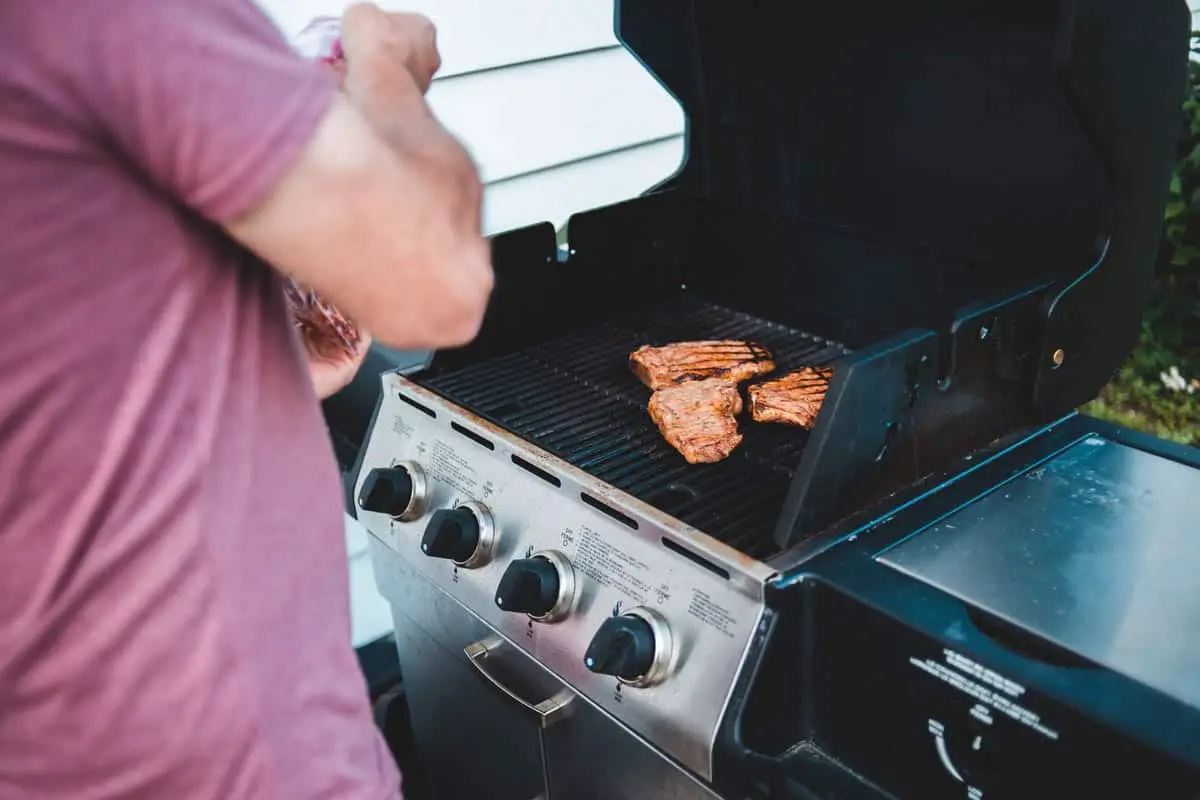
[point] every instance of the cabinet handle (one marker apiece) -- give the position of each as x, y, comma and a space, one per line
549, 711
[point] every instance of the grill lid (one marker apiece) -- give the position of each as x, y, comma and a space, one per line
1030, 138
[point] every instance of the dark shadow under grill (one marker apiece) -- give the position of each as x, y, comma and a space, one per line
576, 398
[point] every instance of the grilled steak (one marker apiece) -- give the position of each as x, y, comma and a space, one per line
673, 364
699, 418
793, 399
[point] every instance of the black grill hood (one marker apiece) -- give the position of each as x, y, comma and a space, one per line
966, 196
1028, 140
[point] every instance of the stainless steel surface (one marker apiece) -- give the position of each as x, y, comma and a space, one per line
591, 757
416, 504
713, 613
1097, 550
470, 740
474, 741
567, 592
664, 648
548, 711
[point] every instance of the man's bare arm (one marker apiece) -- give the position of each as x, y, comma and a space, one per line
381, 213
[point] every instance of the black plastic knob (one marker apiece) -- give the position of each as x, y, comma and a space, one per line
529, 586
452, 534
387, 490
623, 647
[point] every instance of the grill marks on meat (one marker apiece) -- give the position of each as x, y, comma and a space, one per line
682, 362
696, 401
794, 399
699, 418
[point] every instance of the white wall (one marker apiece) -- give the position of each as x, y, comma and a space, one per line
559, 118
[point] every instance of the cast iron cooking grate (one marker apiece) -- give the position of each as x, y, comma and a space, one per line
575, 397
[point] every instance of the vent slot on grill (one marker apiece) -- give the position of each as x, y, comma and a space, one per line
482, 441
575, 397
424, 409
605, 508
695, 558
536, 470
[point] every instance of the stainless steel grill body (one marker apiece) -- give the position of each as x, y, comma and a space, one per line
495, 724
624, 552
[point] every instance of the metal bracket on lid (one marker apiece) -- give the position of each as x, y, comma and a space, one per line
1004, 332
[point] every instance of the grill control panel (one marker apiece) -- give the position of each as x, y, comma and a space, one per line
649, 619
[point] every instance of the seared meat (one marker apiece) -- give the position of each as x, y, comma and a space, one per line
793, 399
699, 418
673, 364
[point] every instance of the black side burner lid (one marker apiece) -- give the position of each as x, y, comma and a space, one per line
1035, 137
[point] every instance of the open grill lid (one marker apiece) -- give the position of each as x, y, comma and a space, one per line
947, 192
1029, 140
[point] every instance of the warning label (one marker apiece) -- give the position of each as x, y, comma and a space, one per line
984, 685
705, 609
609, 565
450, 468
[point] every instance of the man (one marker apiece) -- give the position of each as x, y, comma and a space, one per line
174, 616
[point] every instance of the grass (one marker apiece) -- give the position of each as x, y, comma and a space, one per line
1138, 399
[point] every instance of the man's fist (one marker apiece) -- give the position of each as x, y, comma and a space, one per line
379, 41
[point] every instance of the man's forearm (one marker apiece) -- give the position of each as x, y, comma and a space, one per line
392, 102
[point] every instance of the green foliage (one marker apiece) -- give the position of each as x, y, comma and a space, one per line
1138, 397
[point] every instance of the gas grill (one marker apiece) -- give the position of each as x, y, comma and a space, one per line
581, 613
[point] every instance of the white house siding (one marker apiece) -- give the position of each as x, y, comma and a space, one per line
541, 94
557, 115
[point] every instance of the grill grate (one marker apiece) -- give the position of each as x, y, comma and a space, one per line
576, 397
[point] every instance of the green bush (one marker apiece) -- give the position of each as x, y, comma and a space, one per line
1158, 389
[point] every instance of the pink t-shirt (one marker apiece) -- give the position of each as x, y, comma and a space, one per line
174, 617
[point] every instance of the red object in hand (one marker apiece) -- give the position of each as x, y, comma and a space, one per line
326, 333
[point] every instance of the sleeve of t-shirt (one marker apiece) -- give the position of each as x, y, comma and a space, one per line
204, 97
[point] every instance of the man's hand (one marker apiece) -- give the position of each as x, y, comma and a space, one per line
378, 43
381, 214
330, 376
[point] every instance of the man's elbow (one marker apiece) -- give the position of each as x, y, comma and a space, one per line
450, 309
467, 277
467, 301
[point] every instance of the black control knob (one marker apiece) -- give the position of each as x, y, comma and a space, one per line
452, 534
396, 491
529, 586
624, 647
464, 534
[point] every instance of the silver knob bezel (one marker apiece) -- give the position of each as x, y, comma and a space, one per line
486, 545
664, 649
565, 602
416, 504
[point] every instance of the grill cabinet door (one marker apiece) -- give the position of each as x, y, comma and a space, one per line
592, 757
